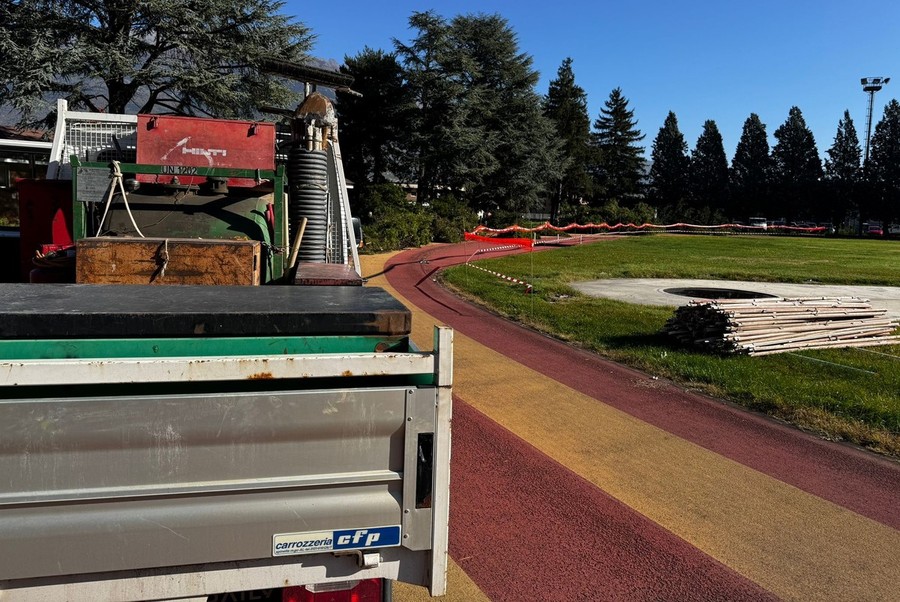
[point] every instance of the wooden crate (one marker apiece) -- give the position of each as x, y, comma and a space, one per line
114, 260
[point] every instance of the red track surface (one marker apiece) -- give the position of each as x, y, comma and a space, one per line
525, 528
520, 520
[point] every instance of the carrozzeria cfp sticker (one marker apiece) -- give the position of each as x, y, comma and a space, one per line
311, 542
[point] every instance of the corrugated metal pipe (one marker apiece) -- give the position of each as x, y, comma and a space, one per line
308, 178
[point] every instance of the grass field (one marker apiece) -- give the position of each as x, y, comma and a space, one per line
848, 394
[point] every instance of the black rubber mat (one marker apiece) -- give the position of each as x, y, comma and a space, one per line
138, 311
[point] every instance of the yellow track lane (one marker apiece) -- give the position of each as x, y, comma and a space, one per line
459, 589
792, 543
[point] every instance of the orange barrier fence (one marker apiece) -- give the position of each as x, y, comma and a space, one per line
680, 227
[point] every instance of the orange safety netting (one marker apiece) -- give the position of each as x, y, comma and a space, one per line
519, 242
547, 226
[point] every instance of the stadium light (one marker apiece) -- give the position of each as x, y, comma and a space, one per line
871, 85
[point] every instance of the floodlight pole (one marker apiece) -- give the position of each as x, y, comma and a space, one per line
871, 85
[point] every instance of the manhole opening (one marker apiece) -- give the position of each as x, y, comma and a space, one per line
716, 293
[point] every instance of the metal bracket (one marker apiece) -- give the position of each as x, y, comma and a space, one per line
365, 560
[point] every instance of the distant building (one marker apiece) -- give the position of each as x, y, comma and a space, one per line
23, 154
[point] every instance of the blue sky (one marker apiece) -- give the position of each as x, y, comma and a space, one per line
701, 59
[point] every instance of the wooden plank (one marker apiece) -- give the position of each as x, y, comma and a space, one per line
775, 326
890, 340
115, 260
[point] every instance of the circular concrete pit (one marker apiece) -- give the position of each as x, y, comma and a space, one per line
675, 292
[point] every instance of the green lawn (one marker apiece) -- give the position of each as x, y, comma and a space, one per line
851, 394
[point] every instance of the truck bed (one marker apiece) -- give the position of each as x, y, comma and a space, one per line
134, 476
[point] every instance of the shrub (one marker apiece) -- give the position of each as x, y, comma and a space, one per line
500, 218
390, 221
452, 217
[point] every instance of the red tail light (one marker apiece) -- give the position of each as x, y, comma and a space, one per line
368, 590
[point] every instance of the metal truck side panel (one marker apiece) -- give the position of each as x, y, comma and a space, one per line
100, 484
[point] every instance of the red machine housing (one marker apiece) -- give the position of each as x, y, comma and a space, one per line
186, 142
45, 223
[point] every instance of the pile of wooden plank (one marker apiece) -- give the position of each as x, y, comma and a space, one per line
776, 325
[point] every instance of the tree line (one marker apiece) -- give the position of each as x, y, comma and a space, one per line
786, 181
455, 112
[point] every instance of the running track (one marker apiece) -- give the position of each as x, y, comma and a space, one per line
574, 478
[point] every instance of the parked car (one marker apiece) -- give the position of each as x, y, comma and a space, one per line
874, 230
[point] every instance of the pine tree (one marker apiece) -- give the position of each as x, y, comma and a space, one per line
709, 172
478, 117
884, 166
566, 106
751, 170
375, 126
191, 58
669, 171
797, 169
617, 164
503, 167
842, 169
436, 91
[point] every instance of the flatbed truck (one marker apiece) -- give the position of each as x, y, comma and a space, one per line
167, 440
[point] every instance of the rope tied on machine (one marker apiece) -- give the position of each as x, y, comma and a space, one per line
116, 177
164, 258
